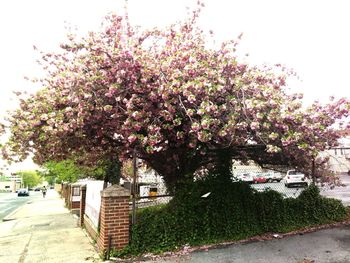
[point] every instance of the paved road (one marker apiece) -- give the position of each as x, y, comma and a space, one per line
324, 246
340, 192
10, 202
279, 187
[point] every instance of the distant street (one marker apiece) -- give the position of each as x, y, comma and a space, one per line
339, 192
10, 201
279, 187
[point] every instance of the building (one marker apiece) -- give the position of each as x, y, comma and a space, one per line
339, 157
8, 184
148, 182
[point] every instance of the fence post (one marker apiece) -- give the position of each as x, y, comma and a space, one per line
65, 194
82, 204
134, 188
69, 196
114, 224
313, 170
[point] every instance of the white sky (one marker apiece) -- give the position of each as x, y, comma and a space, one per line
312, 37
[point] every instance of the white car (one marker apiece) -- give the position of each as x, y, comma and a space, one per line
273, 177
244, 177
295, 178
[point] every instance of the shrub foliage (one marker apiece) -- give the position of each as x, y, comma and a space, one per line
232, 211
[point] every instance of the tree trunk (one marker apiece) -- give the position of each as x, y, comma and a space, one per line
222, 166
112, 172
174, 166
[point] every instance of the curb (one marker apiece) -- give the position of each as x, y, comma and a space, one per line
10, 216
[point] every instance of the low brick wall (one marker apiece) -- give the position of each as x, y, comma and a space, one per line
64, 192
90, 228
114, 223
114, 220
82, 204
75, 205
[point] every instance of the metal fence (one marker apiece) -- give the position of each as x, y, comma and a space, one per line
289, 184
258, 179
147, 201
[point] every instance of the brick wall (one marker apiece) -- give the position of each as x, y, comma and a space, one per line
65, 191
82, 204
69, 197
114, 221
66, 194
90, 228
75, 205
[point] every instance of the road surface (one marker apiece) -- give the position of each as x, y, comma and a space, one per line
340, 192
10, 202
323, 246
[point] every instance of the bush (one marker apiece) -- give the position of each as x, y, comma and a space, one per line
232, 211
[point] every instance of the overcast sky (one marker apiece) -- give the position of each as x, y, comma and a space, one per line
312, 37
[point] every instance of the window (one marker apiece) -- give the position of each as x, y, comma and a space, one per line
76, 191
7, 187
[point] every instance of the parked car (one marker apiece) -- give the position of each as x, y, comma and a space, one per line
244, 177
36, 189
23, 192
259, 178
295, 178
273, 176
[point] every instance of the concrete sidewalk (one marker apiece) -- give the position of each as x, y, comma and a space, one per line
44, 231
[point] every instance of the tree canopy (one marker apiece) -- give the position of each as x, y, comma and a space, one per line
69, 171
63, 171
30, 178
171, 97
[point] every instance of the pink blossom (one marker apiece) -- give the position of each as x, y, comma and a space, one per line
195, 127
132, 138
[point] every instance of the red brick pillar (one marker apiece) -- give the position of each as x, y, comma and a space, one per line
69, 197
114, 221
64, 191
82, 204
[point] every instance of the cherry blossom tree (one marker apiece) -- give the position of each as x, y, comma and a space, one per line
167, 94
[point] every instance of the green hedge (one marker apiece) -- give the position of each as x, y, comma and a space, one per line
232, 211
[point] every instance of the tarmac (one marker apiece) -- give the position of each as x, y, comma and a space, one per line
324, 246
43, 230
